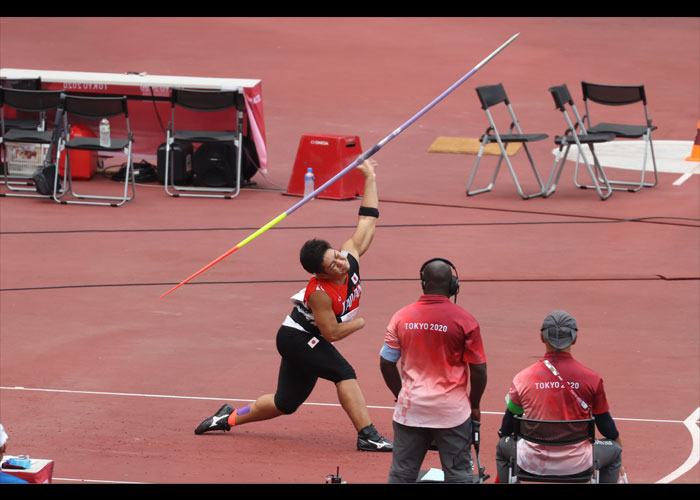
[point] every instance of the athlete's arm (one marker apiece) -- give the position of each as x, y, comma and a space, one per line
322, 308
361, 239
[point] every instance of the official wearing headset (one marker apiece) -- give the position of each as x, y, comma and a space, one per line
440, 348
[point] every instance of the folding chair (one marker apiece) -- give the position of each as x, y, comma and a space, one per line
29, 137
95, 108
553, 433
622, 95
35, 123
491, 95
561, 97
222, 178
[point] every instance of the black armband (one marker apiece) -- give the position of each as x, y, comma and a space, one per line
369, 212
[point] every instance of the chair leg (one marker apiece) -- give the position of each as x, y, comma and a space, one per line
551, 185
558, 166
637, 186
168, 152
504, 155
594, 178
113, 201
484, 143
537, 176
648, 145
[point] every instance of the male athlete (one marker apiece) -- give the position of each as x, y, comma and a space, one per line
537, 393
324, 312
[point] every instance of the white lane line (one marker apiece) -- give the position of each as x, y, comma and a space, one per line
694, 457
686, 176
100, 481
308, 403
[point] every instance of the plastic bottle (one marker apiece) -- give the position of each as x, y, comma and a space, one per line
308, 182
105, 140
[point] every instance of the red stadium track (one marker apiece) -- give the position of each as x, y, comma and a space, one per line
99, 375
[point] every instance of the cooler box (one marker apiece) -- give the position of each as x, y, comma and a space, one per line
83, 164
39, 472
23, 158
327, 155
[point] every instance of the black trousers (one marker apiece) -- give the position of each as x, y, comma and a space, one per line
305, 359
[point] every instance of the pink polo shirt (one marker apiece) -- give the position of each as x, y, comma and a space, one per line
543, 397
438, 340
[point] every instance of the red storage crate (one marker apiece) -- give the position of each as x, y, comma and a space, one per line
327, 155
83, 164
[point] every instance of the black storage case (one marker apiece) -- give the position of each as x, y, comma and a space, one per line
180, 163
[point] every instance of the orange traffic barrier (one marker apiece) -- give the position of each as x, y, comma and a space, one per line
695, 154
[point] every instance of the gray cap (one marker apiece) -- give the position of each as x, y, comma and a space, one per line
559, 329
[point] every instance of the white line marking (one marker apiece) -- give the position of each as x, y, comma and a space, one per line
694, 457
686, 176
169, 396
101, 481
691, 422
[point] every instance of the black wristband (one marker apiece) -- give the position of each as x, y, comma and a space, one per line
369, 212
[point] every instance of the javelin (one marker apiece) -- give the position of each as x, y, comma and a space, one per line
359, 160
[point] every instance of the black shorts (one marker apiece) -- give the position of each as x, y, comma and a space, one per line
305, 359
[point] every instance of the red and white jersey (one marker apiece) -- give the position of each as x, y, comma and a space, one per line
438, 340
543, 396
345, 299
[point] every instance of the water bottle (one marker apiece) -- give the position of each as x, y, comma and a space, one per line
308, 182
105, 140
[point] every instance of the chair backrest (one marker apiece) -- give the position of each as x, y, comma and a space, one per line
613, 95
95, 107
21, 83
36, 101
554, 432
206, 100
561, 96
490, 95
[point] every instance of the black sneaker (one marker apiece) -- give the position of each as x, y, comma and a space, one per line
369, 439
217, 422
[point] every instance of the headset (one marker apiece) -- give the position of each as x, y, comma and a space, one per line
454, 281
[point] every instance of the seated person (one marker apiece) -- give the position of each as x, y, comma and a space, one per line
537, 393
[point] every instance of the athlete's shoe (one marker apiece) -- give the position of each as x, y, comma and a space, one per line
369, 439
217, 422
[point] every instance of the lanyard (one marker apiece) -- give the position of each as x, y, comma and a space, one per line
555, 372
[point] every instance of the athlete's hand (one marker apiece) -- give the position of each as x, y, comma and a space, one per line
367, 167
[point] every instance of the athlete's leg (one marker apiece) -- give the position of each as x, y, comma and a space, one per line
262, 409
353, 402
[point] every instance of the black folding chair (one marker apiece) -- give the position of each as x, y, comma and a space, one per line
217, 165
491, 95
622, 95
571, 137
95, 108
37, 122
553, 433
25, 143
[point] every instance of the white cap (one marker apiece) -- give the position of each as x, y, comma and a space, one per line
3, 436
